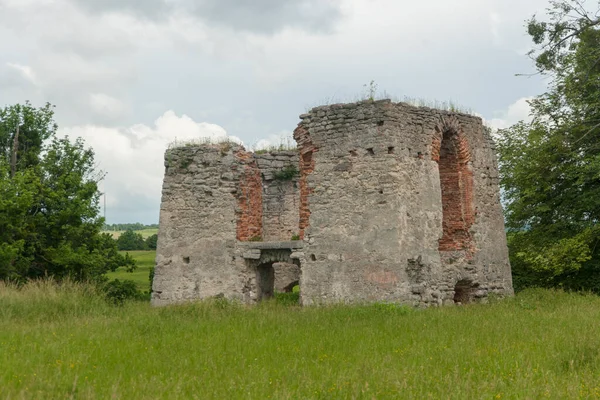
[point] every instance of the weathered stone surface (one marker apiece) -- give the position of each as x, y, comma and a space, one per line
287, 275
392, 203
280, 194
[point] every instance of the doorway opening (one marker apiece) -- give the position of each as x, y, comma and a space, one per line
464, 291
265, 277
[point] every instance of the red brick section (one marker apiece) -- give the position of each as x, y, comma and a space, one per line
307, 165
451, 151
249, 196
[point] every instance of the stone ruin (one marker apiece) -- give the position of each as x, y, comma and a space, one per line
381, 202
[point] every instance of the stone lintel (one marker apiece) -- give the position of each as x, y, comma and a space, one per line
292, 244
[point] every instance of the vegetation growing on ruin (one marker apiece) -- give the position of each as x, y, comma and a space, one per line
371, 93
219, 140
285, 144
185, 162
69, 342
287, 173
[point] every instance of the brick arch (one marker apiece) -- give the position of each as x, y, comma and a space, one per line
249, 197
307, 166
450, 149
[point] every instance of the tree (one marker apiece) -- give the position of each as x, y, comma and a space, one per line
28, 128
49, 211
550, 168
130, 240
151, 241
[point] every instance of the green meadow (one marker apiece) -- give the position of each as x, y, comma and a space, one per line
69, 342
145, 261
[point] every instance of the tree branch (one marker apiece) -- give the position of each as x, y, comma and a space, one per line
13, 160
587, 133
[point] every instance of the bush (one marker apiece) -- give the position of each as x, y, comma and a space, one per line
117, 292
151, 277
151, 242
131, 240
287, 173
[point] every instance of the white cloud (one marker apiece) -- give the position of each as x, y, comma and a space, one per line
133, 159
495, 26
517, 111
25, 71
107, 106
283, 140
250, 67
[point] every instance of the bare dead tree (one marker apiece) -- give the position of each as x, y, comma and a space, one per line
13, 159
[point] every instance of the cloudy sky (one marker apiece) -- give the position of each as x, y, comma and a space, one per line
131, 76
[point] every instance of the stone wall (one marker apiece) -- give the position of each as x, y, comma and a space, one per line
377, 223
215, 197
280, 194
200, 218
392, 202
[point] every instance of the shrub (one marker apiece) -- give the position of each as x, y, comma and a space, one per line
117, 292
151, 278
131, 240
286, 174
151, 241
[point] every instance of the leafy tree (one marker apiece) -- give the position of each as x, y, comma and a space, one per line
34, 127
130, 240
151, 241
550, 168
49, 214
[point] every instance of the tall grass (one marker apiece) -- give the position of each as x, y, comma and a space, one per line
61, 342
285, 144
444, 105
215, 140
371, 93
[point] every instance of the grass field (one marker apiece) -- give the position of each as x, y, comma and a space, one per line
144, 232
70, 343
145, 261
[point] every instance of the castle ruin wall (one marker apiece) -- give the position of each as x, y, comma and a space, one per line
391, 202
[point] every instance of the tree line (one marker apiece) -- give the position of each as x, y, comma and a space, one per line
131, 240
136, 226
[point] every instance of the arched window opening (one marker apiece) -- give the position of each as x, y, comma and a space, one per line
456, 182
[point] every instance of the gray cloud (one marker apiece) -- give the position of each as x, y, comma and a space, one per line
109, 64
152, 9
258, 16
269, 16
